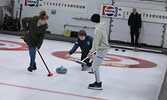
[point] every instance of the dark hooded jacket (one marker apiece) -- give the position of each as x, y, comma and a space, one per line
135, 21
37, 33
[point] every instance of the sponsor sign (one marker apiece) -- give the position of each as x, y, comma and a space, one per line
32, 3
147, 15
65, 5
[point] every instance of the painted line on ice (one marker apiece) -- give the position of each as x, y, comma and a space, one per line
51, 91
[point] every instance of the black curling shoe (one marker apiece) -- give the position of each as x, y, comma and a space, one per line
30, 68
95, 86
35, 67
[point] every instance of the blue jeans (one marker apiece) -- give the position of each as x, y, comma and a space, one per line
32, 53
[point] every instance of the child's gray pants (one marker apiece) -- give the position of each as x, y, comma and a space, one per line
100, 54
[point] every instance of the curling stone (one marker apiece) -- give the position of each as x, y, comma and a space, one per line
61, 70
123, 50
116, 49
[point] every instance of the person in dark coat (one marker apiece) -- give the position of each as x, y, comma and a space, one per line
35, 28
84, 41
135, 25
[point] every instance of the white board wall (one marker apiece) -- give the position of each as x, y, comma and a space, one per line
151, 32
57, 21
4, 2
165, 39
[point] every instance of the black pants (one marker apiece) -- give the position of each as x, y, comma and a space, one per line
84, 55
134, 32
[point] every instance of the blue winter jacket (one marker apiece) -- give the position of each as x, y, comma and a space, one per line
85, 45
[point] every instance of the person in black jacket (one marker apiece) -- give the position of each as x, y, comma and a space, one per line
85, 43
35, 28
135, 24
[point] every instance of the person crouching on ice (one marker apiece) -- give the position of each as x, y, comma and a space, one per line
35, 28
85, 43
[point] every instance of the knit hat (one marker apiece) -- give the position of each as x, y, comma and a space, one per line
95, 18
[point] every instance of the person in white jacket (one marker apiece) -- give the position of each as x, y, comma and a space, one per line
100, 46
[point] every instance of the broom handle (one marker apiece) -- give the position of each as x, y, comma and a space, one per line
87, 58
43, 61
84, 59
40, 54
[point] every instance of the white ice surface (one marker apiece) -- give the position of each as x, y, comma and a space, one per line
16, 83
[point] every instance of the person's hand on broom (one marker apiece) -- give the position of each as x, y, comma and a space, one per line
91, 56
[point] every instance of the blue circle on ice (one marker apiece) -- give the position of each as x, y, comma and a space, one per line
1, 44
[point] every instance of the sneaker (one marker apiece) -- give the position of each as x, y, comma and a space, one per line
30, 68
95, 86
84, 68
132, 44
138, 45
34, 67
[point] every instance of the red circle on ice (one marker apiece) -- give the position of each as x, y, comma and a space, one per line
113, 60
12, 46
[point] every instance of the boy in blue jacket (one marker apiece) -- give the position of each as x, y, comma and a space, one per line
85, 43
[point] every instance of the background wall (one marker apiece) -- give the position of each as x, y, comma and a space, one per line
151, 32
165, 40
4, 2
57, 21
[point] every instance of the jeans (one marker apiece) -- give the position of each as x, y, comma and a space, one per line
32, 54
